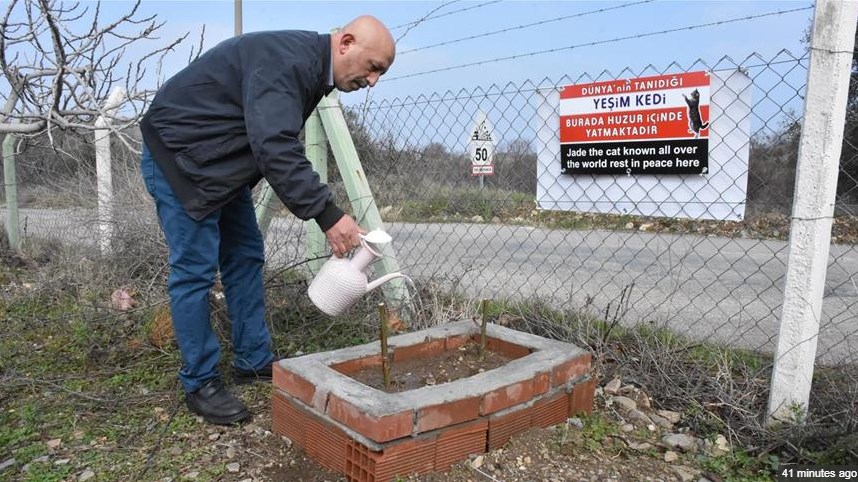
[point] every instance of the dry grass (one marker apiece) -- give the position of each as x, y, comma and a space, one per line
718, 389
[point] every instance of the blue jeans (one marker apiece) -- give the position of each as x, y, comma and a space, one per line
229, 240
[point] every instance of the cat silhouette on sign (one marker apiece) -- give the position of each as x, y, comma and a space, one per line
695, 121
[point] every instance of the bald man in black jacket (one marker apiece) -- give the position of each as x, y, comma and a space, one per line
213, 131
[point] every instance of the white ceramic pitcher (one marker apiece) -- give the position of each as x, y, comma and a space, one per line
342, 281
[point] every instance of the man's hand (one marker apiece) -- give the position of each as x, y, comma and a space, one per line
344, 236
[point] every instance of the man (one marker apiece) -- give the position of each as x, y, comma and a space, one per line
213, 131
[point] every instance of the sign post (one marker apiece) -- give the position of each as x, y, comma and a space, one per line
481, 147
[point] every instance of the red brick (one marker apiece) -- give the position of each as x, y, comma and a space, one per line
449, 432
446, 414
541, 383
360, 467
550, 411
326, 444
502, 347
457, 443
508, 396
506, 348
377, 429
411, 456
358, 364
570, 369
456, 342
287, 419
581, 398
504, 427
426, 349
293, 384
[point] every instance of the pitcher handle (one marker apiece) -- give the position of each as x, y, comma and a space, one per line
366, 245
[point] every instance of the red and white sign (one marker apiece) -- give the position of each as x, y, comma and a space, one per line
646, 125
718, 194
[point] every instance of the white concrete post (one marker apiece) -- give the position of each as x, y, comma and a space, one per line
267, 201
832, 43
13, 226
103, 172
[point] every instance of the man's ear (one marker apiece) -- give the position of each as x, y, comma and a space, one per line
346, 41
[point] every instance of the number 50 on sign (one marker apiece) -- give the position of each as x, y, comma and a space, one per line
482, 158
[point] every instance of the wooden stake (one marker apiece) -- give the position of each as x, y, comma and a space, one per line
484, 310
385, 369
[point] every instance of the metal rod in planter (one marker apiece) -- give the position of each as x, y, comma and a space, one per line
484, 307
385, 369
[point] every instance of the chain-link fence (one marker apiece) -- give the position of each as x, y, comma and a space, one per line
57, 184
706, 279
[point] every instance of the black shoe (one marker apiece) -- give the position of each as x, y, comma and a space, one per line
242, 377
216, 404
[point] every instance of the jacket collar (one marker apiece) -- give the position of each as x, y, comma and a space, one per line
327, 63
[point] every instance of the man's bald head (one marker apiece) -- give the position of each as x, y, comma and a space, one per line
367, 26
362, 51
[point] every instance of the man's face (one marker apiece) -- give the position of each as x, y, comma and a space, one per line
360, 63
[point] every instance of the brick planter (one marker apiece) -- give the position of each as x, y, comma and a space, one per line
373, 436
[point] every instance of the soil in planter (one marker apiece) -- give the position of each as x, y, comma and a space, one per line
444, 367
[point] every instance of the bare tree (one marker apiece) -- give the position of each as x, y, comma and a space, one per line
62, 62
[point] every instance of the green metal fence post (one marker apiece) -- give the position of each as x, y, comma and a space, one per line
317, 152
363, 204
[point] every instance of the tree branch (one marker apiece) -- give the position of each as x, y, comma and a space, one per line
65, 83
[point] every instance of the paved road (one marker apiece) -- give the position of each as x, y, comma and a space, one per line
712, 288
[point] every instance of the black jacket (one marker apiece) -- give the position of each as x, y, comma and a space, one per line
233, 116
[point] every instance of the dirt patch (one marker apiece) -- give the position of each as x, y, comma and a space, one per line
555, 455
445, 367
247, 451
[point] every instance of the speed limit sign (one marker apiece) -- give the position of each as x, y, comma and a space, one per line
482, 154
481, 145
